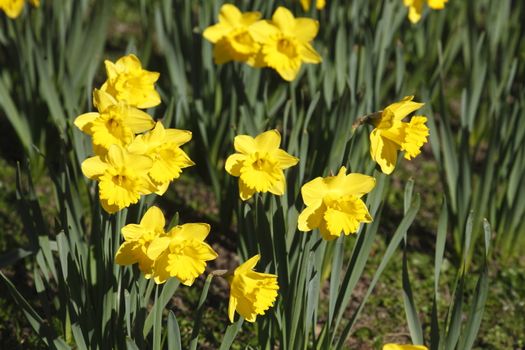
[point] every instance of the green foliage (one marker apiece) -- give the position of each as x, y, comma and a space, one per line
464, 62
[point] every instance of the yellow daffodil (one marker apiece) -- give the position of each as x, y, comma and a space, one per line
35, 3
251, 293
138, 238
122, 176
319, 4
392, 134
334, 204
12, 8
286, 42
403, 347
163, 146
232, 39
259, 164
415, 7
181, 253
128, 82
115, 123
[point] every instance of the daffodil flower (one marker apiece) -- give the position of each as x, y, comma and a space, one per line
251, 293
334, 204
259, 164
181, 253
114, 123
138, 238
286, 42
122, 176
163, 146
231, 37
128, 82
415, 7
392, 134
12, 8
404, 347
319, 4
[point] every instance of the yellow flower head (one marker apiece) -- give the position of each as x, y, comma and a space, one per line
393, 134
12, 8
232, 39
319, 4
122, 176
404, 347
415, 7
127, 81
163, 146
334, 204
251, 293
181, 253
286, 42
259, 164
115, 123
137, 239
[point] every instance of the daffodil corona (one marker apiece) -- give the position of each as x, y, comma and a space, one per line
392, 134
231, 36
138, 238
128, 82
286, 42
259, 164
251, 293
415, 7
334, 204
181, 253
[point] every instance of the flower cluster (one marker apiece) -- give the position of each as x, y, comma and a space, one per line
13, 8
134, 155
415, 7
181, 252
282, 43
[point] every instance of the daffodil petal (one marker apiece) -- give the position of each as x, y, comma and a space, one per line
284, 20
157, 246
153, 219
234, 163
197, 231
359, 184
126, 253
313, 191
306, 29
82, 121
383, 152
310, 218
285, 160
268, 141
132, 232
93, 167
244, 144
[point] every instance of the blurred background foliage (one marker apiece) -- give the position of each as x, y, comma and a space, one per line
466, 63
